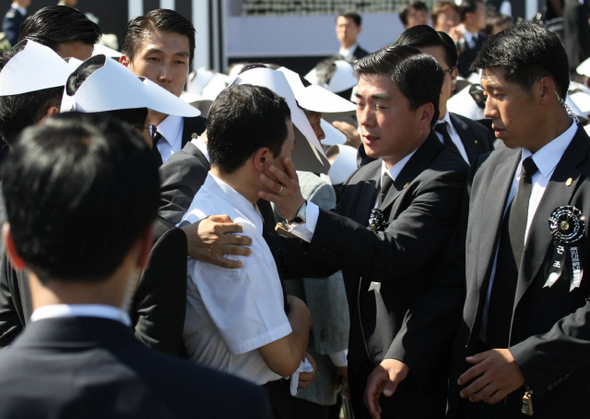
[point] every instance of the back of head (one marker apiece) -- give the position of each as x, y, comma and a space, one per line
243, 119
22, 110
422, 36
356, 18
526, 52
164, 20
418, 76
80, 191
54, 25
405, 9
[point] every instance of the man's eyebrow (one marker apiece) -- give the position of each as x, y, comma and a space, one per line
159, 51
379, 96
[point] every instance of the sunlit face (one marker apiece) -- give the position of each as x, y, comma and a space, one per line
449, 82
75, 49
315, 120
512, 109
390, 129
347, 31
163, 57
447, 20
416, 17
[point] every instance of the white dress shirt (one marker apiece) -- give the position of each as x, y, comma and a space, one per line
346, 53
232, 312
546, 160
171, 130
454, 137
81, 310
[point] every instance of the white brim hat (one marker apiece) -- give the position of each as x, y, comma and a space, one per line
343, 165
35, 67
308, 154
342, 79
316, 98
107, 85
333, 134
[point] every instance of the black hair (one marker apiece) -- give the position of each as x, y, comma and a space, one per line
20, 111
527, 52
424, 36
242, 119
498, 19
164, 20
79, 191
352, 15
418, 76
405, 9
468, 6
55, 25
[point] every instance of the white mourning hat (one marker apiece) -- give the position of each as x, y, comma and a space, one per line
342, 79
104, 50
34, 67
584, 68
308, 154
333, 134
343, 158
101, 84
316, 98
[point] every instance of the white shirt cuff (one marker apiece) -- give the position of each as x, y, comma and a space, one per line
339, 359
305, 230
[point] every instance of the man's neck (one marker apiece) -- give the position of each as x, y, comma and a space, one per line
347, 46
156, 118
240, 181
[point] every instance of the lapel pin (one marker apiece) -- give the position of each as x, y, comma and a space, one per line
569, 182
194, 135
475, 142
406, 185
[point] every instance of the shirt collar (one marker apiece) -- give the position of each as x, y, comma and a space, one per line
201, 144
81, 310
21, 9
347, 52
396, 168
450, 128
547, 157
171, 129
238, 201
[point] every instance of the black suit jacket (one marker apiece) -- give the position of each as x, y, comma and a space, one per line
192, 128
359, 53
422, 210
469, 54
550, 332
476, 138
85, 367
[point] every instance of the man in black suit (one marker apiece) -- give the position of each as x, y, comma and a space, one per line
395, 339
469, 138
15, 16
348, 27
522, 344
93, 180
473, 20
161, 47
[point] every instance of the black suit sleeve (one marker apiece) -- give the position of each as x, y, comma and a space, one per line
160, 300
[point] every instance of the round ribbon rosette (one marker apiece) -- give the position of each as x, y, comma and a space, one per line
567, 224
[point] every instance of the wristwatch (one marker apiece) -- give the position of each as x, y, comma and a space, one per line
300, 217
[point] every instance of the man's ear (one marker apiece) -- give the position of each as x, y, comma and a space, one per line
13, 257
124, 60
547, 90
454, 75
50, 112
261, 158
427, 113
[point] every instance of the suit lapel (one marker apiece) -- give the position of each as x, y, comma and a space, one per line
558, 193
467, 138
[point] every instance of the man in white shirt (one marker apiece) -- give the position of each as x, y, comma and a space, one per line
236, 320
80, 199
160, 46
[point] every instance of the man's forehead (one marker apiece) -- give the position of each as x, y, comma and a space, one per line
155, 39
493, 75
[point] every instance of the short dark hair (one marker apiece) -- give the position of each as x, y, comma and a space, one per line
79, 191
54, 25
424, 36
418, 76
527, 52
468, 6
164, 20
405, 9
20, 111
351, 15
242, 119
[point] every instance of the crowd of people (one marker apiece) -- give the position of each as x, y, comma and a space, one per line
301, 246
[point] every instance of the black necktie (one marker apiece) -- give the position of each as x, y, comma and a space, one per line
441, 128
386, 183
509, 259
156, 136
